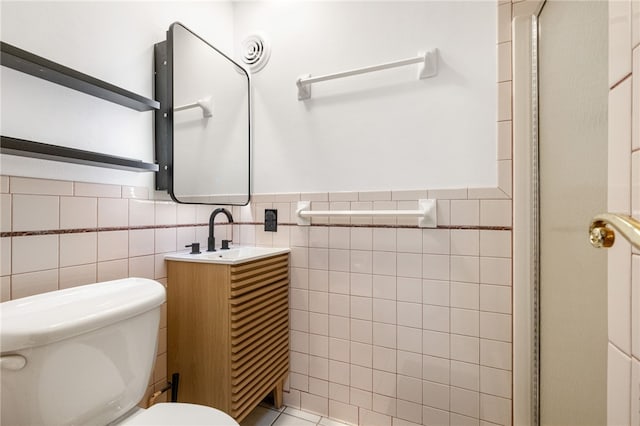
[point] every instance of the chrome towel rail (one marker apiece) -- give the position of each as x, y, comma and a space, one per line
428, 68
602, 236
426, 213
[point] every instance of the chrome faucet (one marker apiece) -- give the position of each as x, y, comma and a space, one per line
211, 241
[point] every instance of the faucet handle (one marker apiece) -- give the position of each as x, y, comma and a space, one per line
225, 245
195, 248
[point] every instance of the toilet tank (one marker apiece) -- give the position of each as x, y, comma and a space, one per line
79, 356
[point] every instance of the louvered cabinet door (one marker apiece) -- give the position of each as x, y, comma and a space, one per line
259, 322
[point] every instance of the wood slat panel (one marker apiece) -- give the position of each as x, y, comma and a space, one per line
251, 297
239, 370
280, 336
240, 346
260, 281
248, 269
241, 404
239, 396
282, 289
247, 266
259, 330
243, 313
265, 314
237, 362
241, 414
266, 364
248, 385
242, 357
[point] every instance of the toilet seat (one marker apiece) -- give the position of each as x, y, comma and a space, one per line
178, 413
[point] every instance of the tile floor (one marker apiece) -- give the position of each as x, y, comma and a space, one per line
266, 415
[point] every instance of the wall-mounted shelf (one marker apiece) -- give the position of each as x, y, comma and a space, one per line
38, 66
25, 148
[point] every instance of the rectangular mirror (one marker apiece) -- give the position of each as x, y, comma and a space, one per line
203, 127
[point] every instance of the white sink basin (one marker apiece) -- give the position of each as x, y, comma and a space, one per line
228, 257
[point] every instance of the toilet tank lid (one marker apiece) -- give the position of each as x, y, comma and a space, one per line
49, 317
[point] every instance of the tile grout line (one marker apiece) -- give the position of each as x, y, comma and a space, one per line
276, 418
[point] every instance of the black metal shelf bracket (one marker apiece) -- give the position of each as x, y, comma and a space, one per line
26, 62
26, 148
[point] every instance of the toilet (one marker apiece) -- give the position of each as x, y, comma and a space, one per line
84, 355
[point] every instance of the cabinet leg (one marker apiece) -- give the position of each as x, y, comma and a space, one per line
277, 394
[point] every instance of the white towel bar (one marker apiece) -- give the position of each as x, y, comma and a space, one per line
426, 213
428, 68
206, 104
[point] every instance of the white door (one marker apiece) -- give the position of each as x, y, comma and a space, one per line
572, 138
560, 181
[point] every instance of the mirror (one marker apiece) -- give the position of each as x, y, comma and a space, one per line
205, 119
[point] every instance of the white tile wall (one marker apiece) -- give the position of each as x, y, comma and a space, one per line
34, 253
619, 40
78, 212
113, 270
165, 240
635, 391
141, 213
5, 289
21, 185
135, 192
624, 273
465, 212
618, 387
5, 212
82, 189
35, 212
619, 170
635, 307
5, 256
495, 409
74, 276
166, 213
141, 242
78, 249
4, 184
113, 212
380, 335
31, 283
635, 131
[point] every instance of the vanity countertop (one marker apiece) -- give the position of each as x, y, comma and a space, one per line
232, 256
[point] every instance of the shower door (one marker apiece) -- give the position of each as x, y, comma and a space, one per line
572, 170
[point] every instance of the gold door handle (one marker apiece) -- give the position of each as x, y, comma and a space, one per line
600, 235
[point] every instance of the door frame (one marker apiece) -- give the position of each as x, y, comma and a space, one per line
526, 350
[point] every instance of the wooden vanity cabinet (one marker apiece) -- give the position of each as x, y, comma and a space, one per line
228, 332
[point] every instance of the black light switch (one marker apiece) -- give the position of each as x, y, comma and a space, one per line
271, 220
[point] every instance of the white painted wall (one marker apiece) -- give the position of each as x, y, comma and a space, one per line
386, 130
112, 41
